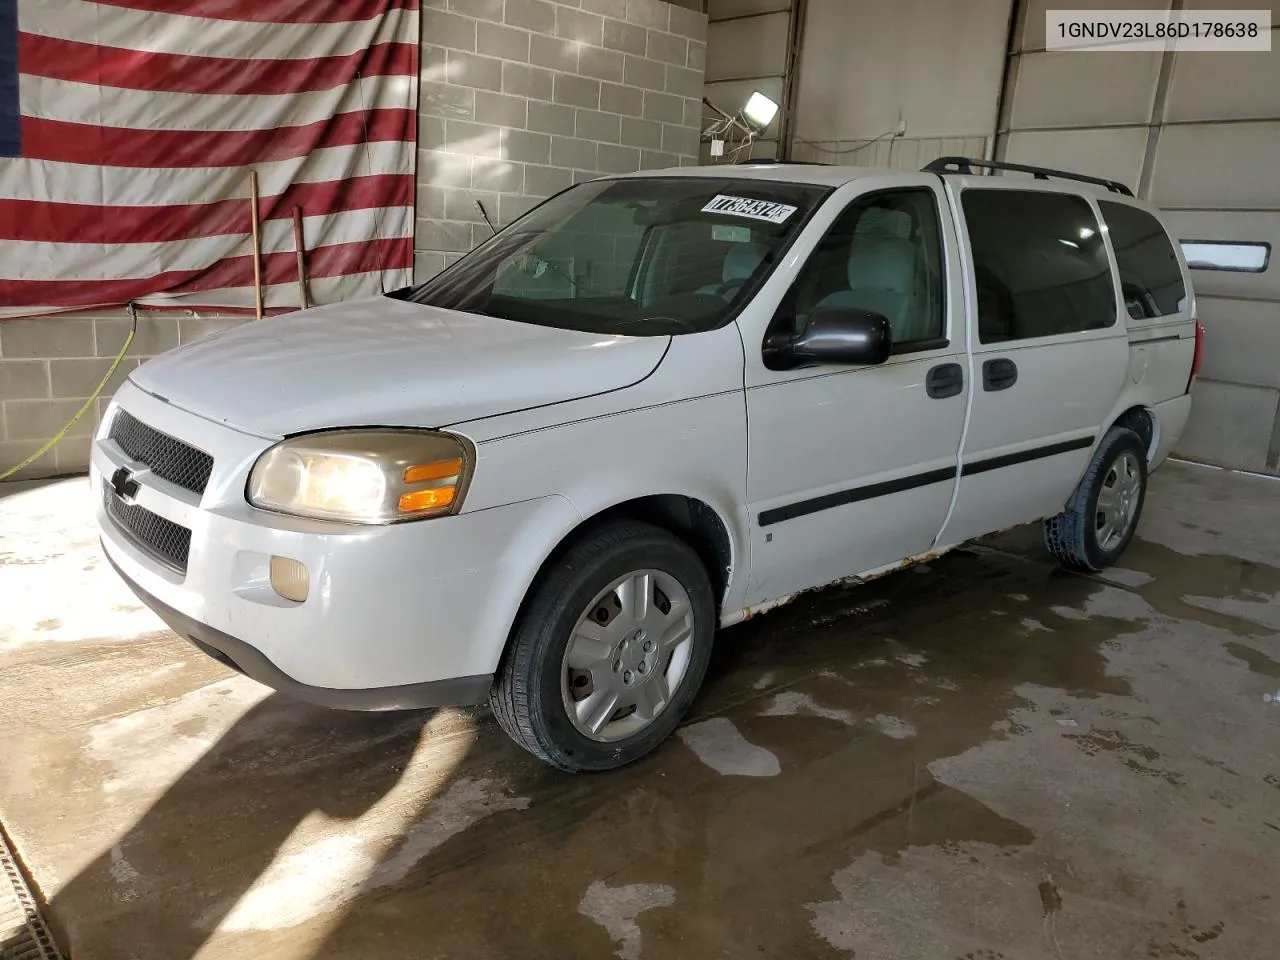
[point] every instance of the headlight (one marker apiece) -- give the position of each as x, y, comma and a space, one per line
364, 476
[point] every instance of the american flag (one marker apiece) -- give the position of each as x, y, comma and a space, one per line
128, 129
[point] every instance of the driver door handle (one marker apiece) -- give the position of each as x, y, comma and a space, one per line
945, 380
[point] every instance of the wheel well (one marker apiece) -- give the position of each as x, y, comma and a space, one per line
1141, 422
693, 521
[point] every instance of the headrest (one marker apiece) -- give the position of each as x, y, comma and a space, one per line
742, 259
882, 264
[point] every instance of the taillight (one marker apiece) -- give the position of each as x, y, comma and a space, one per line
1198, 357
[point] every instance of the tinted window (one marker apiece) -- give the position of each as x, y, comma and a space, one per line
642, 256
1040, 266
1150, 278
881, 254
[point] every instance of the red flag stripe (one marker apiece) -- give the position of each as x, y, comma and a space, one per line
329, 261
270, 11
120, 147
36, 221
172, 73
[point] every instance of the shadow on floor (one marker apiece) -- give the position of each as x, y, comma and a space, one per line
166, 885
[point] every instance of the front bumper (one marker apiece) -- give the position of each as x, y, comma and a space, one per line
240, 656
410, 614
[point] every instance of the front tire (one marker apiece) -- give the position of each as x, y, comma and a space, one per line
610, 651
1103, 513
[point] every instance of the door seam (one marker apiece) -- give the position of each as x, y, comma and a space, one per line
966, 282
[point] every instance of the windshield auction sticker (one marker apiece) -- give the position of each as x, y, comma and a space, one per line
752, 209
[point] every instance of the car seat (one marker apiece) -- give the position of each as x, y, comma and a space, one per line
740, 262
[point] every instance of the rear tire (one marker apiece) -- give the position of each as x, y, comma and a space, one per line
610, 651
1103, 513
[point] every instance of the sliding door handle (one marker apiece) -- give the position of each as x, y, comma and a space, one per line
999, 374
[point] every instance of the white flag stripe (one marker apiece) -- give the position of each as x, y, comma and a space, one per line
69, 102
277, 295
285, 295
31, 260
52, 181
202, 37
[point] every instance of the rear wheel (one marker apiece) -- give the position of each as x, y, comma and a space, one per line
611, 649
1102, 515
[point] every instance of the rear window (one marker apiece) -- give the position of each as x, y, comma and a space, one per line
1040, 265
1150, 278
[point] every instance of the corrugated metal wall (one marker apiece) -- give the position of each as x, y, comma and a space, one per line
898, 83
1199, 135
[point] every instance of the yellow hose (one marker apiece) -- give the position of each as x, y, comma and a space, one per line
87, 404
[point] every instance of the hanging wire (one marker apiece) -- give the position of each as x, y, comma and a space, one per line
860, 145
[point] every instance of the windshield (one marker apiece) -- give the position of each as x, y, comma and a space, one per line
642, 257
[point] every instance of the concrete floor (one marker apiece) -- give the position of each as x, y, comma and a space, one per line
987, 758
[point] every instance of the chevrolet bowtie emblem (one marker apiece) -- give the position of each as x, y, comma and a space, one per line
125, 487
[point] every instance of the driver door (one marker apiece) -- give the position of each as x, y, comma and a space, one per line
852, 469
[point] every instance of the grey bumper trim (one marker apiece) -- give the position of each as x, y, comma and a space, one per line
240, 656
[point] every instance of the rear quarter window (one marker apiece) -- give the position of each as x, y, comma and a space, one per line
1040, 265
1150, 278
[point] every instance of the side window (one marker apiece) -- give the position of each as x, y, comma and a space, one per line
1040, 265
1150, 278
882, 254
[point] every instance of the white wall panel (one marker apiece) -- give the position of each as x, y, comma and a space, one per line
1240, 341
1233, 165
1112, 153
1225, 86
751, 47
865, 64
1084, 89
1230, 424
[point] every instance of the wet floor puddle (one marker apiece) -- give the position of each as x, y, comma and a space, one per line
805, 784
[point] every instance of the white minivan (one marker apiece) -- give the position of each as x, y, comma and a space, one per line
653, 406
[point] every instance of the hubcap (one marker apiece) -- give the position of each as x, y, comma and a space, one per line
1118, 501
628, 655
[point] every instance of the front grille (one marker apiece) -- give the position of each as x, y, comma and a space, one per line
168, 542
169, 458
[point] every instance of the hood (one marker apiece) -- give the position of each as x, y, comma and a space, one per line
384, 362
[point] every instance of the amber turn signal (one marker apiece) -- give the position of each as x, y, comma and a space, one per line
429, 499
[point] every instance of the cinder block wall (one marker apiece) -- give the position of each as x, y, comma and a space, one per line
49, 366
522, 98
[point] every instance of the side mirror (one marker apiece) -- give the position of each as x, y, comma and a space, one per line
839, 335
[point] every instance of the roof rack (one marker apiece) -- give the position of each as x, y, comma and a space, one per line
966, 165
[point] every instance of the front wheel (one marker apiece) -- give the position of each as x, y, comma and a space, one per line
610, 651
1102, 515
